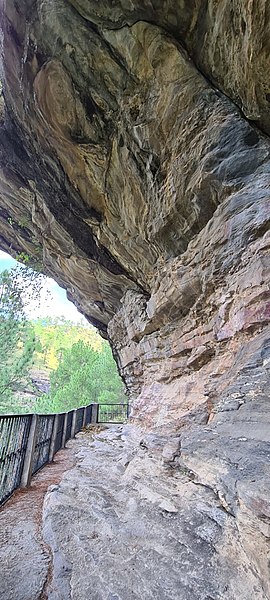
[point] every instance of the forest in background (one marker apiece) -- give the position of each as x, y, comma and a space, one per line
49, 364
80, 364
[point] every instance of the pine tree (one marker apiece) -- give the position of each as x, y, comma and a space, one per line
84, 375
17, 339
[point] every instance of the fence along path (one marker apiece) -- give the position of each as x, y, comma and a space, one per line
28, 442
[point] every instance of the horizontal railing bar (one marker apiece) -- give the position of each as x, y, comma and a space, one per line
13, 415
105, 405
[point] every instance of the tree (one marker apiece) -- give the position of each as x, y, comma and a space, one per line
17, 340
55, 335
84, 375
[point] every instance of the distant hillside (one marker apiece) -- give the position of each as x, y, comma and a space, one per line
72, 366
54, 335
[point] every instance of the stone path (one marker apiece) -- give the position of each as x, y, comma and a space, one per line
25, 559
124, 524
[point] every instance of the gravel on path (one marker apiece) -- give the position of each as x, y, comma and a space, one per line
22, 548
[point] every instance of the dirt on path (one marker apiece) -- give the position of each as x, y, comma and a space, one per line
22, 548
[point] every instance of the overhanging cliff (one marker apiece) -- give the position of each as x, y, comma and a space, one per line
134, 157
142, 187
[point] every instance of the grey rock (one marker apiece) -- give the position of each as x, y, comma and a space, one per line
148, 533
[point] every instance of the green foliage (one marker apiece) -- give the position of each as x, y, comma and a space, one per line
84, 375
17, 339
80, 362
57, 335
31, 264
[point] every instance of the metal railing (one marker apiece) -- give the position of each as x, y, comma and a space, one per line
14, 432
112, 413
43, 436
69, 425
28, 442
79, 419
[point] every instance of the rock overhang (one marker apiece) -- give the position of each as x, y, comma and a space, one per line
134, 157
127, 168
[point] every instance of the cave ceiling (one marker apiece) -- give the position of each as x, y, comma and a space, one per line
124, 125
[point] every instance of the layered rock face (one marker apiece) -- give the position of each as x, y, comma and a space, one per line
135, 164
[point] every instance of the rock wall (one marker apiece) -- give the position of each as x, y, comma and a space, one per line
134, 156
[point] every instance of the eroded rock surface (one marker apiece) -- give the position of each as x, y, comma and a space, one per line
141, 185
125, 524
135, 165
117, 151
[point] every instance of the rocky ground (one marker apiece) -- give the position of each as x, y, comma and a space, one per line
126, 522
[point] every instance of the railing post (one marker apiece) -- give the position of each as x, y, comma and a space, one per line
94, 415
29, 454
84, 417
54, 435
73, 426
87, 412
64, 431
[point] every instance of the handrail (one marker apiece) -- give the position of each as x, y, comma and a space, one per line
30, 441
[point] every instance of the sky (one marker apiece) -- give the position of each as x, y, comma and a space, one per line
52, 304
